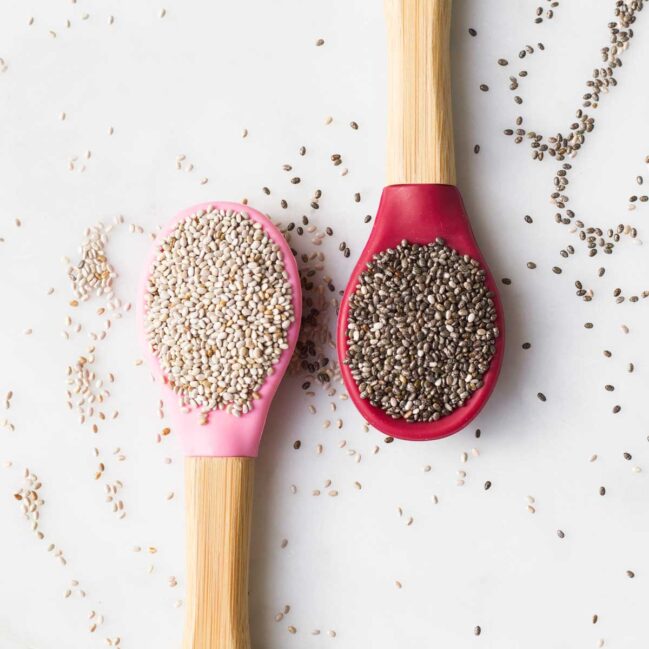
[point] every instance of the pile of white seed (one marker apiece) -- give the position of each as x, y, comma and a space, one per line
86, 392
93, 273
218, 308
421, 330
30, 501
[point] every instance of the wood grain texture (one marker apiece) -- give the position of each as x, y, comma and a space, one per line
420, 122
219, 509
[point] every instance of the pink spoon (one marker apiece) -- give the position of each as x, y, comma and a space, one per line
219, 461
421, 202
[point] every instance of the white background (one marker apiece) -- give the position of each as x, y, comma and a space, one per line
188, 84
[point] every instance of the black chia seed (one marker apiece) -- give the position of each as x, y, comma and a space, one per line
421, 331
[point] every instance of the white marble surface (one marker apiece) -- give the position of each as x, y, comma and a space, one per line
188, 83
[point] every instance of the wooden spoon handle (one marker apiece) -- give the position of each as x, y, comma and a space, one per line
420, 123
219, 508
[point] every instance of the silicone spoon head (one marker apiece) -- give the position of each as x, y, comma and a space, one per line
224, 435
420, 214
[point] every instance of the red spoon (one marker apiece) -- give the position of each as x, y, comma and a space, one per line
421, 201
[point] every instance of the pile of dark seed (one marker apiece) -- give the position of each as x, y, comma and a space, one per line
421, 330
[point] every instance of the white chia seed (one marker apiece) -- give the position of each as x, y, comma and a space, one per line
218, 308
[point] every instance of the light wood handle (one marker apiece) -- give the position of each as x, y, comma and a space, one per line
420, 122
219, 508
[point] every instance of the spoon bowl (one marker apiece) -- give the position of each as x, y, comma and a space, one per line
420, 213
224, 435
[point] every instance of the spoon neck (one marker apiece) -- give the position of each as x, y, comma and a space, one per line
422, 212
